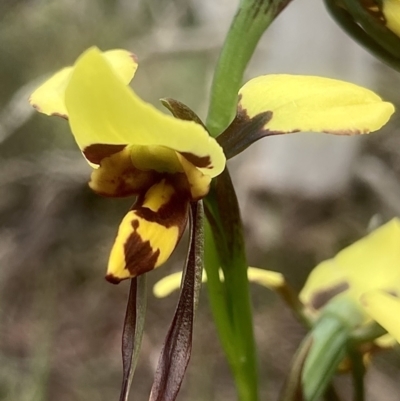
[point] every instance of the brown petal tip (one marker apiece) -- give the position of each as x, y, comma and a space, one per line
112, 279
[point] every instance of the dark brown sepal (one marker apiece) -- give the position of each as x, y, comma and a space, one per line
181, 111
132, 332
175, 353
244, 131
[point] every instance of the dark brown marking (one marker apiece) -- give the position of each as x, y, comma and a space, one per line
172, 213
321, 298
244, 131
139, 255
97, 152
112, 279
198, 161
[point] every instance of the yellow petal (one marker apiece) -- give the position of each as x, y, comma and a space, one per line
266, 278
384, 309
104, 111
49, 97
149, 233
391, 11
316, 104
368, 264
171, 283
199, 183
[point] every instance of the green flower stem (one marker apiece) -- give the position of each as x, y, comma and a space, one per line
251, 20
358, 374
230, 300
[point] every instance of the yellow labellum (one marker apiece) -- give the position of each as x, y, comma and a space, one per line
148, 234
316, 104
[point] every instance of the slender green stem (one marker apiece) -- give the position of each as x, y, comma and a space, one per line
230, 300
358, 375
251, 20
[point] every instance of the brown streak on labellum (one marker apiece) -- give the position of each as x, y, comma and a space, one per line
97, 152
321, 298
172, 213
198, 161
139, 255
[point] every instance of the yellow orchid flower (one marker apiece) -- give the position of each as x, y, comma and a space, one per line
135, 150
367, 274
168, 162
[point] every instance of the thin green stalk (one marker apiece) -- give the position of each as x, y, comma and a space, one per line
230, 301
251, 20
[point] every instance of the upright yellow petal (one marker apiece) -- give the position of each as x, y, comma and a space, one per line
49, 97
384, 308
306, 103
149, 233
104, 111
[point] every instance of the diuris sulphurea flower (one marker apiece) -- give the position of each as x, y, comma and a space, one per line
135, 150
167, 162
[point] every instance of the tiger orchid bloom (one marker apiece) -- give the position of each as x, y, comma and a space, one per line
365, 275
169, 161
135, 150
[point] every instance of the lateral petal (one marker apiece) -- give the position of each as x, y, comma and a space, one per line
49, 97
104, 111
384, 308
316, 104
149, 232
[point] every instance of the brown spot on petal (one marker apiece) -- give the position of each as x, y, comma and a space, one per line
198, 161
139, 255
321, 298
97, 152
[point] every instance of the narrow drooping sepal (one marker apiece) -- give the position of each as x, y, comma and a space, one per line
176, 350
133, 332
149, 232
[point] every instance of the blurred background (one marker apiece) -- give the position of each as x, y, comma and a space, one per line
303, 197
